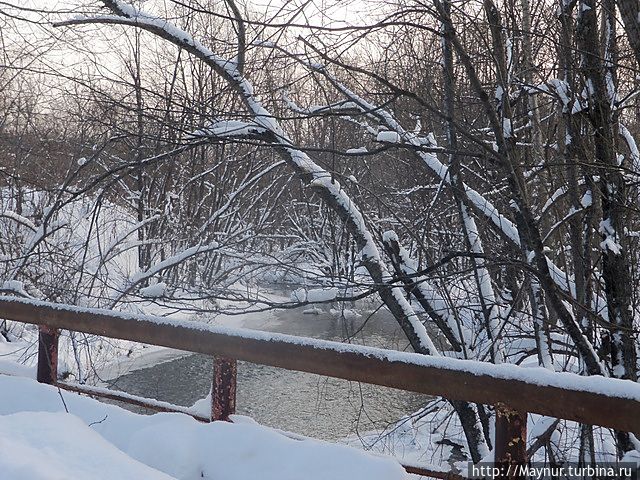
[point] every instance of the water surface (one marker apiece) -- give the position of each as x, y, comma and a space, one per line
309, 404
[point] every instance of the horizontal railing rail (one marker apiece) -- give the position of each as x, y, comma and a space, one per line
600, 401
146, 403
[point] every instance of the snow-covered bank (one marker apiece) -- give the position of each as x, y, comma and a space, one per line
44, 445
95, 441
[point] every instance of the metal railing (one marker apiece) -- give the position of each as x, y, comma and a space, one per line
513, 390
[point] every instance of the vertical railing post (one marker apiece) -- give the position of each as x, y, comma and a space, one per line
223, 388
511, 442
47, 355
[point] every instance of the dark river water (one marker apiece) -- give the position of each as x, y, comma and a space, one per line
304, 403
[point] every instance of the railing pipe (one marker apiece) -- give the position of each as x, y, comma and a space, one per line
223, 388
47, 355
511, 442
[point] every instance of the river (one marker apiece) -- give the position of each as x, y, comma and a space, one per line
308, 404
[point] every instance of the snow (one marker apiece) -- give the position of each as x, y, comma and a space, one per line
228, 128
54, 446
507, 129
173, 260
16, 369
18, 218
158, 404
312, 311
264, 43
484, 282
633, 147
354, 151
610, 244
577, 106
14, 286
609, 241
299, 295
154, 291
346, 313
322, 294
562, 90
560, 192
39, 441
144, 357
387, 136
537, 428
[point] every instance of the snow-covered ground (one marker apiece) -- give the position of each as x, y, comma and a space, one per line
46, 434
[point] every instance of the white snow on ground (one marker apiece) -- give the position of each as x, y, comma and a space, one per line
312, 311
95, 437
346, 313
43, 445
299, 295
322, 294
314, 295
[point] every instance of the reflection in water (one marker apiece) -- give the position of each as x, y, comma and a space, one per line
300, 402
